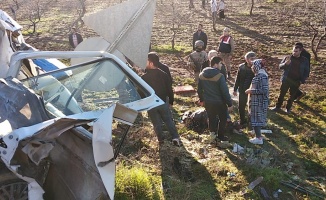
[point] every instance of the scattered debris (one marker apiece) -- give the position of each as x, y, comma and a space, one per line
253, 184
184, 89
264, 193
231, 174
224, 144
275, 194
203, 152
302, 189
263, 131
238, 149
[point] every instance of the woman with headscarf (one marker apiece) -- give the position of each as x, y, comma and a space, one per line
258, 99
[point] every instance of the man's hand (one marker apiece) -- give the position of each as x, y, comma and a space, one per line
248, 91
201, 103
230, 109
235, 93
288, 60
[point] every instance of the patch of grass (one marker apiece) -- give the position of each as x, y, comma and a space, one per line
168, 49
296, 23
135, 183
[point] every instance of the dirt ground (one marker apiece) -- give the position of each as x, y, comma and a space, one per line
271, 32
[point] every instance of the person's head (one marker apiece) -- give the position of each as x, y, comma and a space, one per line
211, 54
250, 56
257, 65
299, 44
152, 60
216, 62
73, 30
226, 31
199, 45
200, 27
296, 51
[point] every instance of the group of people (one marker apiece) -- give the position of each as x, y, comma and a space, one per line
251, 85
199, 56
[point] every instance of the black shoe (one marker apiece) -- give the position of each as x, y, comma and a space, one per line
177, 142
223, 138
288, 111
276, 109
299, 97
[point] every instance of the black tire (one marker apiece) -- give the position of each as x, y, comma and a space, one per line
12, 188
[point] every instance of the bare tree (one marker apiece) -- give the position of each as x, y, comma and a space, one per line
35, 10
252, 7
81, 10
315, 21
177, 21
14, 8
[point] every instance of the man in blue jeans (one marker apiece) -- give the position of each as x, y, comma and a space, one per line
162, 86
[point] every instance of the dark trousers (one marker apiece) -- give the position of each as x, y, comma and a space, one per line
299, 93
159, 114
221, 14
286, 85
216, 113
243, 98
257, 130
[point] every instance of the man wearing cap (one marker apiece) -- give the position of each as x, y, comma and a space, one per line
242, 83
197, 58
199, 35
226, 48
295, 72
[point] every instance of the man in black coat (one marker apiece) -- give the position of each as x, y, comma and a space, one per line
74, 38
307, 55
199, 35
160, 83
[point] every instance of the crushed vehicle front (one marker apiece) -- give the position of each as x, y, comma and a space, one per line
65, 148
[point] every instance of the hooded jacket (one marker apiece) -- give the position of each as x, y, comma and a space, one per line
212, 87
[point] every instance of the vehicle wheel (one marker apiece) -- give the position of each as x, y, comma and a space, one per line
12, 188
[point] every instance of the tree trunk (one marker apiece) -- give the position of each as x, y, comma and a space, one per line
320, 39
312, 46
314, 49
252, 6
34, 27
191, 4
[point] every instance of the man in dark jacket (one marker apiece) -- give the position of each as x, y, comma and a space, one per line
242, 83
214, 95
74, 38
165, 69
307, 55
160, 82
295, 72
199, 35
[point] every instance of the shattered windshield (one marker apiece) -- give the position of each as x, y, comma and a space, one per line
87, 87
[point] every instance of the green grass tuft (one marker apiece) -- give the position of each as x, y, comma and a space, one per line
135, 183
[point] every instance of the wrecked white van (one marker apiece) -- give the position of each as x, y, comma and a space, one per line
56, 126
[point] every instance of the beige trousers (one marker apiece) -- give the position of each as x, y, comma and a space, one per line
226, 60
